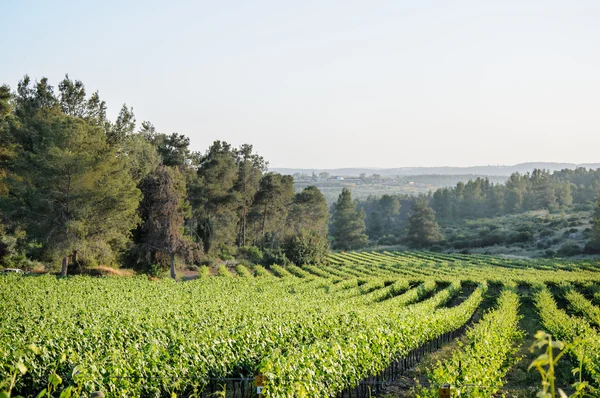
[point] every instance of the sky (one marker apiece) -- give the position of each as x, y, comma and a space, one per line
328, 84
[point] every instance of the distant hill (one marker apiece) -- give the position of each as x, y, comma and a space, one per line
407, 171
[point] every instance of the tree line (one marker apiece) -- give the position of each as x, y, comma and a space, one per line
522, 192
393, 219
78, 189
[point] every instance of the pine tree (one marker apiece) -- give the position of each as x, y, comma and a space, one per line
67, 185
7, 147
213, 198
250, 169
423, 229
347, 224
270, 208
309, 212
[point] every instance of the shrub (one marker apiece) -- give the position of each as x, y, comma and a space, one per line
275, 256
520, 237
569, 248
389, 240
307, 248
227, 252
251, 253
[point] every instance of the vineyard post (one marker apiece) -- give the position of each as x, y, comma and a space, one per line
444, 391
259, 382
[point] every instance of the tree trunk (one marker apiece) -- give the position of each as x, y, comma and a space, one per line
172, 259
65, 264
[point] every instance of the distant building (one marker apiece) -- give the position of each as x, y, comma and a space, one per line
411, 183
339, 178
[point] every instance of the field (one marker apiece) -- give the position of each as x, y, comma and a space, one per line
344, 328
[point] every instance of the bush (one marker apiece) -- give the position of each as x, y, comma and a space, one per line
275, 256
569, 248
520, 237
549, 253
227, 252
389, 240
251, 253
307, 248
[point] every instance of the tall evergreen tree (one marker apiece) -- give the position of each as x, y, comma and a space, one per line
213, 198
423, 230
543, 194
309, 212
390, 208
7, 145
67, 184
272, 203
250, 169
347, 224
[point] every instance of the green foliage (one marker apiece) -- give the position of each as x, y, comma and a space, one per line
546, 363
309, 212
307, 248
318, 329
347, 224
251, 253
477, 368
569, 248
580, 337
594, 243
275, 256
423, 230
539, 190
67, 185
223, 271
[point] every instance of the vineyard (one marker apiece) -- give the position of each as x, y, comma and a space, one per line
312, 331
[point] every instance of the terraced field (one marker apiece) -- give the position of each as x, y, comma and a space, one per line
312, 331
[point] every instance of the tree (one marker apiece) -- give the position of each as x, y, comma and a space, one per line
516, 188
309, 212
542, 190
212, 196
250, 169
375, 224
173, 149
271, 206
323, 175
563, 194
7, 146
162, 210
140, 155
423, 230
67, 185
347, 224
594, 243
123, 126
390, 208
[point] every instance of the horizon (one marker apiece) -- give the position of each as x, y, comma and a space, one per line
549, 163
334, 84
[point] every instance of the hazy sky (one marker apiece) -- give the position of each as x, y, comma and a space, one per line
333, 83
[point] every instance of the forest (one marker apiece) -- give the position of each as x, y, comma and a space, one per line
79, 190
